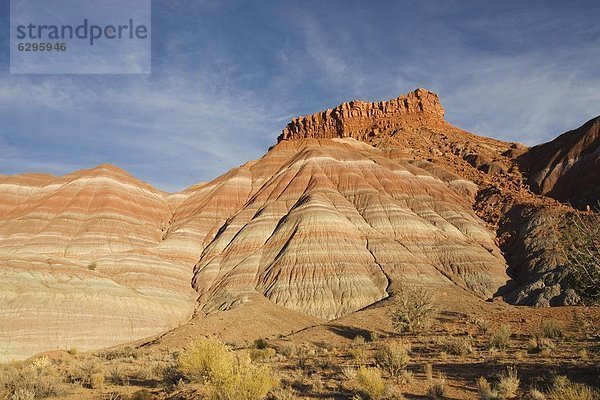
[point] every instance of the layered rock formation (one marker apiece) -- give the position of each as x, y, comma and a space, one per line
350, 202
79, 264
568, 167
361, 119
330, 226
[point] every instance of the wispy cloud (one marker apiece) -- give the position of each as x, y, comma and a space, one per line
228, 75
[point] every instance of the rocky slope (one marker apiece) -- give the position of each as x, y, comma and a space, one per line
568, 167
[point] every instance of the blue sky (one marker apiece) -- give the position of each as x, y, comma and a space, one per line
228, 75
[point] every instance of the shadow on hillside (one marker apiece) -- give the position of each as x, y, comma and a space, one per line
351, 332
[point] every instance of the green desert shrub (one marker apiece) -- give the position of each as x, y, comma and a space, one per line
117, 375
206, 359
535, 394
485, 391
247, 381
261, 355
539, 344
506, 387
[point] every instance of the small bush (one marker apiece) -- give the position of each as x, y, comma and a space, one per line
371, 383
261, 355
287, 351
246, 382
206, 359
393, 357
393, 393
87, 373
171, 375
483, 326
458, 346
126, 352
225, 376
357, 353
539, 344
437, 389
316, 383
349, 372
284, 393
412, 309
428, 371
261, 343
580, 245
500, 339
485, 390
535, 394
551, 329
92, 266
117, 375
406, 377
304, 354
23, 394
143, 394
508, 383
563, 389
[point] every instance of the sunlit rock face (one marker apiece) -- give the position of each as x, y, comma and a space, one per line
363, 119
80, 264
330, 226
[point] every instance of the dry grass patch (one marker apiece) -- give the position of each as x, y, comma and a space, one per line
551, 329
437, 389
458, 346
87, 373
564, 389
27, 381
500, 339
508, 384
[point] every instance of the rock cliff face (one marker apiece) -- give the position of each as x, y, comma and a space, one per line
361, 119
568, 168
